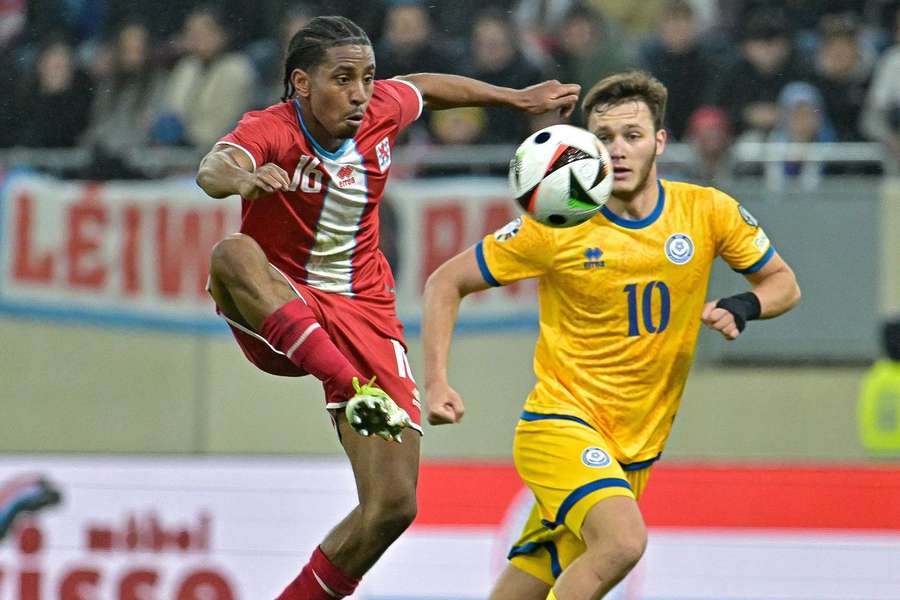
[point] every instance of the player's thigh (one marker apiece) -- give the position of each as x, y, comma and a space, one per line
242, 282
515, 584
569, 468
386, 472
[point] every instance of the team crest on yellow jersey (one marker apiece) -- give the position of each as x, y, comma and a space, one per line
679, 248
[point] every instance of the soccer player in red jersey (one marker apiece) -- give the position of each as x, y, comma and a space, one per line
304, 286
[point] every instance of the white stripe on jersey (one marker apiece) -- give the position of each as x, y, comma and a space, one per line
330, 266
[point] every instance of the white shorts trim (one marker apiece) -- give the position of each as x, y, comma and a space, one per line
254, 334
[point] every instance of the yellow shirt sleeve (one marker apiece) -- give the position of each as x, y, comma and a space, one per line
740, 240
521, 249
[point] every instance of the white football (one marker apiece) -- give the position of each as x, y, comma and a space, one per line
561, 175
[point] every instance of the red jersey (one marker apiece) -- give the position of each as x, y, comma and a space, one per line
323, 231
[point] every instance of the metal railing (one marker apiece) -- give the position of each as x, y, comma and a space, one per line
160, 160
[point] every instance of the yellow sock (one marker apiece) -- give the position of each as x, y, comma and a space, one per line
551, 596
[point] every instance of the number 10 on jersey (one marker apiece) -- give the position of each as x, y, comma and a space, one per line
648, 298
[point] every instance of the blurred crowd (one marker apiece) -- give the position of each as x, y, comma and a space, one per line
115, 75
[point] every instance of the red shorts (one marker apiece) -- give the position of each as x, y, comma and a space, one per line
370, 336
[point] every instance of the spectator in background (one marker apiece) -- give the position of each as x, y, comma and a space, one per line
267, 55
801, 119
881, 115
409, 44
749, 89
455, 19
368, 14
675, 56
538, 23
879, 397
497, 59
843, 72
126, 101
165, 18
12, 24
53, 103
588, 49
456, 127
209, 88
637, 18
459, 126
709, 135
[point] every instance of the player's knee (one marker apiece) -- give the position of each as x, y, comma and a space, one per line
230, 254
631, 548
391, 514
625, 548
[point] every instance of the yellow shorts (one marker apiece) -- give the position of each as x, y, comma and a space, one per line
568, 467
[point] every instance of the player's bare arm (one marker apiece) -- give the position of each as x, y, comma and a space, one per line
442, 91
226, 170
775, 289
444, 291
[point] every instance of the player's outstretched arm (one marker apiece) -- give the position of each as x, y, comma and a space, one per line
227, 170
444, 290
775, 291
450, 91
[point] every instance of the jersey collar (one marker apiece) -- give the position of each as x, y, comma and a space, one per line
648, 220
319, 149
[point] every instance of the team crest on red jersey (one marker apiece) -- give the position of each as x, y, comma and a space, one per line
345, 176
383, 150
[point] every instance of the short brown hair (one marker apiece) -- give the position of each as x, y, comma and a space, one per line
631, 85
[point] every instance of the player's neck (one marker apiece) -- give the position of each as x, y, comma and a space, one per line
639, 204
315, 129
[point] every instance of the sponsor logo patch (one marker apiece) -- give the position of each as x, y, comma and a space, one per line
345, 176
747, 217
595, 458
508, 231
593, 258
383, 151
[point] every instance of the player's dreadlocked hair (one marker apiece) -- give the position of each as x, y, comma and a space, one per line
309, 45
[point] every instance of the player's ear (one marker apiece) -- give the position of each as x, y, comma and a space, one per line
662, 136
300, 80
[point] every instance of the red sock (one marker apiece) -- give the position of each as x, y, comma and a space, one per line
293, 329
320, 580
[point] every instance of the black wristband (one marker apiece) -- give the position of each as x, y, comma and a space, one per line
745, 307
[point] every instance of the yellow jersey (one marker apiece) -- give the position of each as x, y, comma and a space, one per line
620, 305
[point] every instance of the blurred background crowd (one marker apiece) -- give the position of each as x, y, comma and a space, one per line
113, 76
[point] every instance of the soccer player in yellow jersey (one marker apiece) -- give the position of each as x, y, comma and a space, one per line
621, 297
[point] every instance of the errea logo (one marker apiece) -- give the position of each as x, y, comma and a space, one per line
345, 176
592, 258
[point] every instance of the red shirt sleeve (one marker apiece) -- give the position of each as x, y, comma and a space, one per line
408, 97
253, 135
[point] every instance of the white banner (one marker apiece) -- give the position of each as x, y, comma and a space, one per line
119, 252
240, 529
137, 253
440, 218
